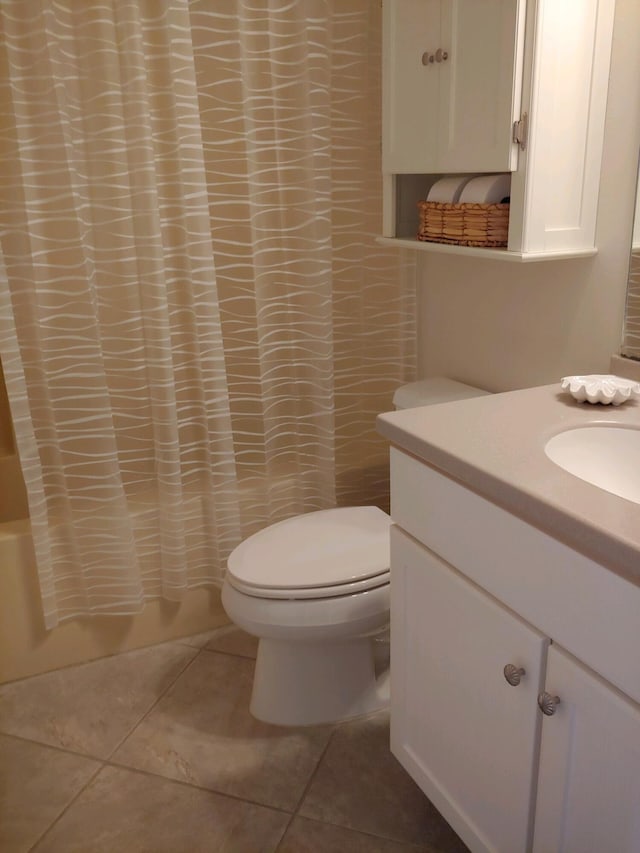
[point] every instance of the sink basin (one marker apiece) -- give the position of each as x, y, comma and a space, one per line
605, 456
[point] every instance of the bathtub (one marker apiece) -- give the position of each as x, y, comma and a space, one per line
27, 648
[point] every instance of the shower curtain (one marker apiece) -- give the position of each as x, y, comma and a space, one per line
197, 327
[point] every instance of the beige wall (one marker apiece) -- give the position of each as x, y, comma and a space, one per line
505, 325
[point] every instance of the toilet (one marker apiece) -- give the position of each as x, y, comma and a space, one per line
314, 589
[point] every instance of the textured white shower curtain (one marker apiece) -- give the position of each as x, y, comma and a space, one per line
197, 327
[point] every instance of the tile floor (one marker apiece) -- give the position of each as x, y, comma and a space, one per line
155, 750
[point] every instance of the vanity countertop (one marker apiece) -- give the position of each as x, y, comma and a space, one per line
494, 445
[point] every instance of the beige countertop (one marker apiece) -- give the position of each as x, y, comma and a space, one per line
494, 445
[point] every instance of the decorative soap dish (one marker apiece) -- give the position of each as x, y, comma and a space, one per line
601, 388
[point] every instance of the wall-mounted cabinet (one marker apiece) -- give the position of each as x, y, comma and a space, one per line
457, 75
451, 85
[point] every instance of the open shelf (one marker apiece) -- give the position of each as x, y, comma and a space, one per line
479, 252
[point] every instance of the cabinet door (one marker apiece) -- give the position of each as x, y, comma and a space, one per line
467, 737
410, 88
480, 84
455, 112
589, 783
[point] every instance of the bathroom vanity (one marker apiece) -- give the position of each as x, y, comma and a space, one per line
515, 623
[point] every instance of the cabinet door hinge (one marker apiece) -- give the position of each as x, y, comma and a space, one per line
521, 131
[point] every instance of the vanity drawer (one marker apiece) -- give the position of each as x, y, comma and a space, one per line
578, 603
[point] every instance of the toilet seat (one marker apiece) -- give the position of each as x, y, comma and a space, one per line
311, 592
322, 554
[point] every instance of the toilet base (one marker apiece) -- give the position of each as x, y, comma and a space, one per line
304, 684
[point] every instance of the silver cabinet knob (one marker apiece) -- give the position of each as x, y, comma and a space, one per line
441, 55
513, 674
548, 703
427, 58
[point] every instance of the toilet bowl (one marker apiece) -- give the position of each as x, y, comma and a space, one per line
314, 589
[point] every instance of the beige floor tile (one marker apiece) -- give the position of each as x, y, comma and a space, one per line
134, 813
227, 639
233, 641
309, 836
36, 783
197, 641
201, 732
90, 708
360, 785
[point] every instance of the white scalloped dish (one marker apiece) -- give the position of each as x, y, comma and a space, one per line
601, 388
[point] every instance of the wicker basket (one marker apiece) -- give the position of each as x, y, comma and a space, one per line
464, 224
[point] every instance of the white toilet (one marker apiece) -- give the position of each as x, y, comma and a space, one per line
315, 590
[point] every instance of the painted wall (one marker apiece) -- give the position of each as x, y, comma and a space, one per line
503, 325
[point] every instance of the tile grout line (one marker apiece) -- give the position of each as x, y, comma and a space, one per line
284, 833
83, 663
110, 762
161, 695
411, 847
55, 747
198, 652
172, 781
67, 807
215, 793
230, 654
167, 780
91, 756
180, 641
103, 762
305, 790
106, 762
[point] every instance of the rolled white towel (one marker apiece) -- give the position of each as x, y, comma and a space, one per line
448, 189
486, 189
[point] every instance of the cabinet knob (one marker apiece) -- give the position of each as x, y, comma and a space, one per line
427, 58
548, 703
513, 674
441, 55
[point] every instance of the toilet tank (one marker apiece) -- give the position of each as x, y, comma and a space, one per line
438, 389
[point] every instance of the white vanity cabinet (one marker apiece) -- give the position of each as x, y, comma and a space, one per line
474, 590
450, 85
514, 86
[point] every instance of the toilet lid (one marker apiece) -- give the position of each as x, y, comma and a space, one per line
346, 547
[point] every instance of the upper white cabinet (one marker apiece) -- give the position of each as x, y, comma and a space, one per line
451, 85
544, 64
